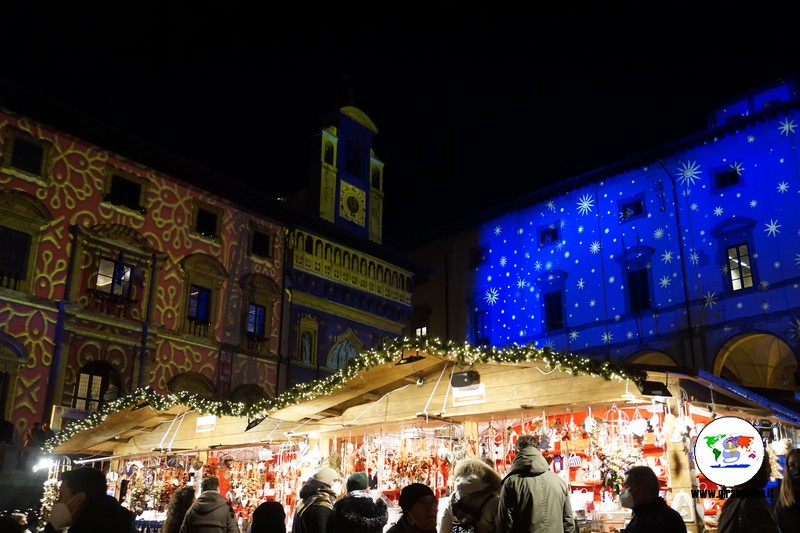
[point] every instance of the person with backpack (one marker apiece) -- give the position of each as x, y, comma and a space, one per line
473, 503
533, 498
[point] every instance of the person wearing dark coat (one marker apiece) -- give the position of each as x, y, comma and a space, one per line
651, 514
316, 502
532, 497
84, 506
358, 511
269, 517
210, 512
751, 515
787, 507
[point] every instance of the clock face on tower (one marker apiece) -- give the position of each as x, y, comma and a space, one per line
352, 203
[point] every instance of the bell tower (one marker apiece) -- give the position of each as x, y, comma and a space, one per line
347, 188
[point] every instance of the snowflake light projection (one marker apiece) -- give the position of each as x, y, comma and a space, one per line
585, 204
688, 173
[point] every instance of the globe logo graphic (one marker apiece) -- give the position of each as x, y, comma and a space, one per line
729, 451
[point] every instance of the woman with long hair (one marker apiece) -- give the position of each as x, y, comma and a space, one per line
182, 499
787, 508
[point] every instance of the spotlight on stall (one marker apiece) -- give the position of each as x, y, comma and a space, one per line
44, 464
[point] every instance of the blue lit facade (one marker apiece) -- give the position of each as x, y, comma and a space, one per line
689, 255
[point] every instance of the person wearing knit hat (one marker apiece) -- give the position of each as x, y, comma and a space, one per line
358, 511
326, 475
420, 510
315, 505
357, 481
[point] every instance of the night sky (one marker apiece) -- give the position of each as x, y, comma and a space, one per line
474, 107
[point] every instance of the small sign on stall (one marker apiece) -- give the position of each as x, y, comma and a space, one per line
469, 395
206, 423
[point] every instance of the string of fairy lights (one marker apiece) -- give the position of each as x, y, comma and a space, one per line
463, 354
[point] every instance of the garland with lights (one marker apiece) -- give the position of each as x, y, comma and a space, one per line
463, 354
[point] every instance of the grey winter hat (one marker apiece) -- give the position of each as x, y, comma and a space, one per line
326, 475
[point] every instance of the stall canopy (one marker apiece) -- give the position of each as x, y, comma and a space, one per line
406, 381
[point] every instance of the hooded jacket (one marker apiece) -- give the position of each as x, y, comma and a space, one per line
96, 515
314, 508
210, 513
533, 498
358, 512
475, 498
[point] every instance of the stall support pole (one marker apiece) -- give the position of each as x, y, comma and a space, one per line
680, 477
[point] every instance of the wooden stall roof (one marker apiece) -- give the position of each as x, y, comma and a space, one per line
390, 396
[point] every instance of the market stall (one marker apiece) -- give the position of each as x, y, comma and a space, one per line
410, 411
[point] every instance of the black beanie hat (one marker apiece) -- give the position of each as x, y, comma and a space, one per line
413, 493
86, 479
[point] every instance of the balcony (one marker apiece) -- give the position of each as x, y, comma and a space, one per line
112, 304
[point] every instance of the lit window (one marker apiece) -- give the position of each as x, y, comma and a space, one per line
256, 319
113, 277
199, 304
421, 331
739, 267
96, 385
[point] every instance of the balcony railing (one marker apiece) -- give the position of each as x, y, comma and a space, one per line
112, 304
11, 280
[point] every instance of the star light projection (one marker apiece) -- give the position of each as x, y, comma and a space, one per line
671, 212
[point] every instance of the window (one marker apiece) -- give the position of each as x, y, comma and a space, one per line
739, 268
480, 327
113, 277
736, 253
548, 235
26, 155
421, 331
261, 244
553, 311
97, 384
256, 318
199, 304
260, 294
14, 259
206, 223
203, 277
632, 207
726, 178
125, 192
638, 290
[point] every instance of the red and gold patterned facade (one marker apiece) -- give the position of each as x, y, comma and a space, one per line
117, 276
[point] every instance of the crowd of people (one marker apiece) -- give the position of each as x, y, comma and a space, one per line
530, 498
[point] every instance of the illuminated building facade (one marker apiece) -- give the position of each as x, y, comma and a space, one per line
131, 267
345, 291
688, 255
